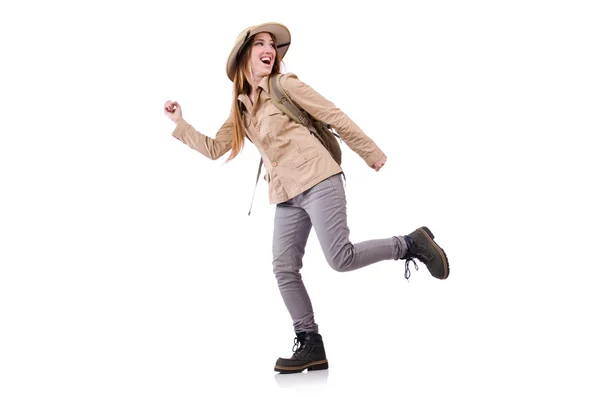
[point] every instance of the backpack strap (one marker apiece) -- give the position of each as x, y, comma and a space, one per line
256, 184
286, 105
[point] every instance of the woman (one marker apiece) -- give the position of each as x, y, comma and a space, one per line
304, 181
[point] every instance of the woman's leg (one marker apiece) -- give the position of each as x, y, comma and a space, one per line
290, 234
292, 227
325, 204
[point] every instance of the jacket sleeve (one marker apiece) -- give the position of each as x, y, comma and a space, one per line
322, 109
213, 148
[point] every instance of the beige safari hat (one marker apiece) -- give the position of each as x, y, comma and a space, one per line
282, 40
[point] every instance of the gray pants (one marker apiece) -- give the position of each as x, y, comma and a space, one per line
324, 207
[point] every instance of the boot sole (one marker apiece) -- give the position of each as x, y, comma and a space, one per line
312, 366
425, 230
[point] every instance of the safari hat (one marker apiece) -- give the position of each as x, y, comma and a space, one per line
282, 40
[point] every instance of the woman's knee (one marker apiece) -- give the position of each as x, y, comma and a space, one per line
286, 276
342, 261
286, 266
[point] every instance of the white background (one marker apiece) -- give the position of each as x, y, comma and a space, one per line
129, 265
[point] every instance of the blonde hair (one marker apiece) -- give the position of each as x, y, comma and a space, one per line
241, 85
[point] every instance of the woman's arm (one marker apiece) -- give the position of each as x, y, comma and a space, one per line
322, 109
213, 148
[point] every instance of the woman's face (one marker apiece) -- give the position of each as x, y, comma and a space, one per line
262, 55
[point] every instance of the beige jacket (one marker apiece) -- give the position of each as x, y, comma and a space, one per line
294, 159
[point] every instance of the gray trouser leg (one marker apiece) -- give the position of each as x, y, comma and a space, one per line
290, 233
324, 208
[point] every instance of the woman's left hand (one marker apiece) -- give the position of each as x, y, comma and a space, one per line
377, 166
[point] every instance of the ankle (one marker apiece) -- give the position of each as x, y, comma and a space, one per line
403, 245
409, 242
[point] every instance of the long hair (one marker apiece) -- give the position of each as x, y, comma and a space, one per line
241, 85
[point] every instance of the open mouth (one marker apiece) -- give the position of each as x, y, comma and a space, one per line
266, 60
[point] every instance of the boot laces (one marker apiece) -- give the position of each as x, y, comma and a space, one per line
412, 251
407, 269
298, 345
299, 348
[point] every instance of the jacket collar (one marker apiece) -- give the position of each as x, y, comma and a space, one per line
263, 85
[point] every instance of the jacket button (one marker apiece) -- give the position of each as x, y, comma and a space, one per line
266, 146
274, 163
257, 129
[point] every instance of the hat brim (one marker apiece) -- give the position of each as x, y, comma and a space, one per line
282, 40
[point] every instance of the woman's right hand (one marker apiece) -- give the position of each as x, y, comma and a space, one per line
173, 111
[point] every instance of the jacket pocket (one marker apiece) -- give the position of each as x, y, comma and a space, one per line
274, 121
305, 156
